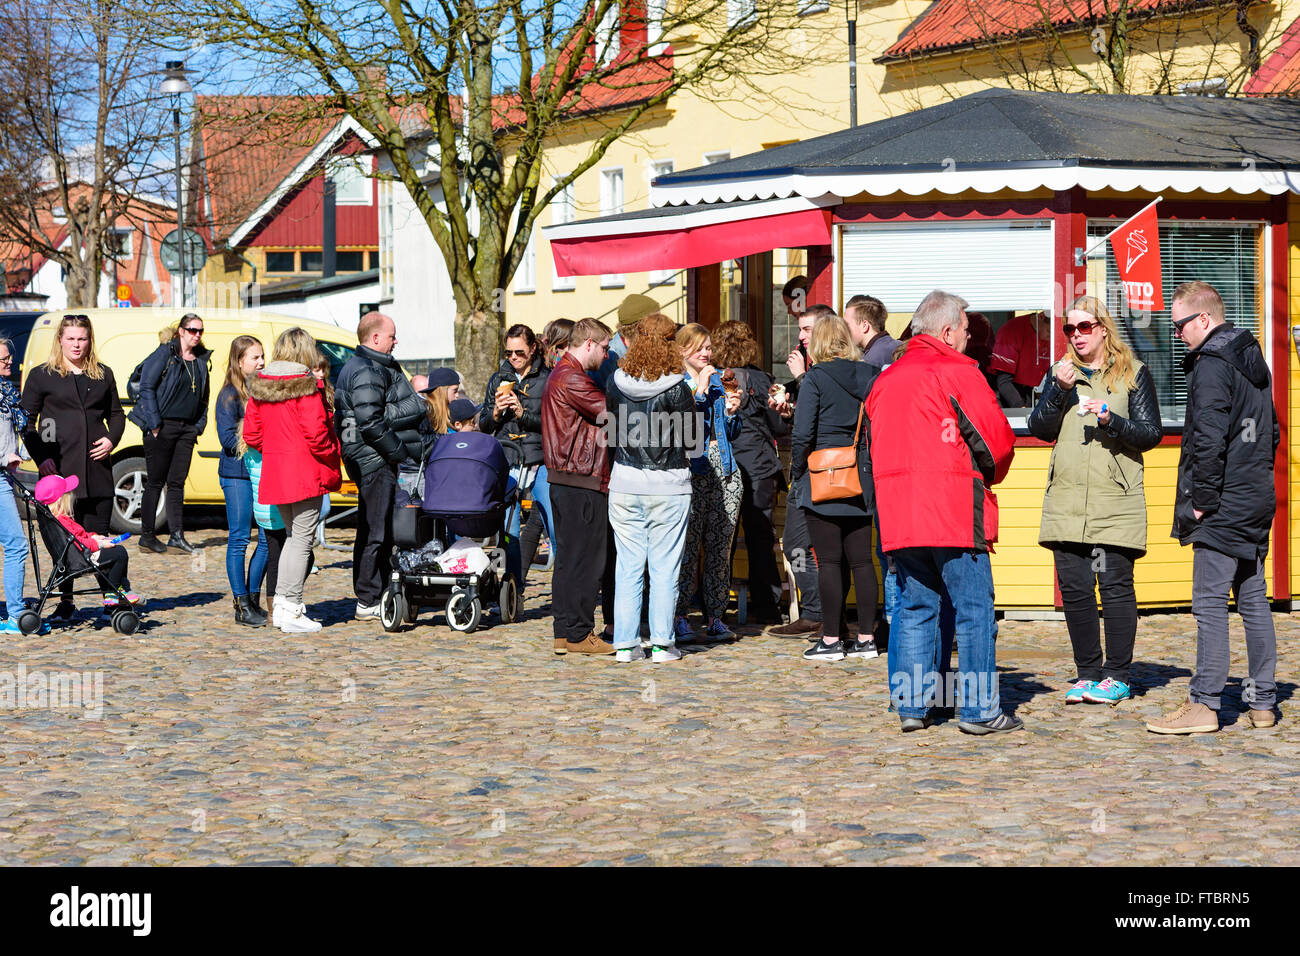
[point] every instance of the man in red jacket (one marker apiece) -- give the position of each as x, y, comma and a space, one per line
938, 443
577, 466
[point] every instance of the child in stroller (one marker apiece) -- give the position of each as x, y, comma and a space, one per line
77, 552
467, 491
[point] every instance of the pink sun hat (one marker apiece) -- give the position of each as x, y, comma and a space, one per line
53, 487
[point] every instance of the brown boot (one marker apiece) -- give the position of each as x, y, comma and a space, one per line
798, 628
1191, 718
1262, 719
591, 644
561, 646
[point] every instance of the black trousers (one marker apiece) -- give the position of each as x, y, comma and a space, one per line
275, 538
1080, 569
372, 551
111, 569
167, 460
581, 518
757, 503
803, 562
843, 547
93, 514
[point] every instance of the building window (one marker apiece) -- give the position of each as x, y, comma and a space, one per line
526, 274
281, 262
313, 260
119, 244
654, 17
611, 204
1229, 256
563, 209
351, 184
386, 279
660, 167
350, 261
721, 156
607, 35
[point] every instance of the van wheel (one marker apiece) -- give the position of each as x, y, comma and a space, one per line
128, 494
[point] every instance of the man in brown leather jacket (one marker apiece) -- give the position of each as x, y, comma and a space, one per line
577, 466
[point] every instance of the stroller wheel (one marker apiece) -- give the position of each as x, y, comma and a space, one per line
463, 611
510, 603
126, 621
392, 608
29, 622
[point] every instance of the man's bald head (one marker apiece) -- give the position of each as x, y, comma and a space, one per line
377, 331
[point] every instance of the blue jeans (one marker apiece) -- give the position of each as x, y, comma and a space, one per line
649, 529
534, 481
239, 522
916, 678
542, 500
14, 540
890, 577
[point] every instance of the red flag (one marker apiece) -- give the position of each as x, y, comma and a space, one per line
1137, 252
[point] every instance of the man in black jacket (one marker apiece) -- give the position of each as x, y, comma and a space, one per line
377, 415
172, 413
1225, 506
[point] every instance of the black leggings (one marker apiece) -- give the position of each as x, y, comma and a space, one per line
529, 538
274, 542
1079, 569
110, 569
842, 546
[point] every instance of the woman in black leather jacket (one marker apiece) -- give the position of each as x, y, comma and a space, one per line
1099, 406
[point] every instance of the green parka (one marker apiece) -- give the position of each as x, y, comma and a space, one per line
1094, 482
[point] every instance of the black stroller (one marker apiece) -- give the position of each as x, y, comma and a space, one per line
466, 495
71, 561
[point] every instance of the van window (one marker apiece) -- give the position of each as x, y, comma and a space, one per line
337, 355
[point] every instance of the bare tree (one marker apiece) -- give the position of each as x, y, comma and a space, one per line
493, 83
81, 139
1105, 46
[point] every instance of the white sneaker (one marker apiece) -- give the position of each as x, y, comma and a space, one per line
294, 620
662, 655
275, 611
365, 610
627, 655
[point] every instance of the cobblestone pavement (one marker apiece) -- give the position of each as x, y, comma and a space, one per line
224, 744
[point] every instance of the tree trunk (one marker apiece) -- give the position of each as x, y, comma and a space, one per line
478, 349
82, 286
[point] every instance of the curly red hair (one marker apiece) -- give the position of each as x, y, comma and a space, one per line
653, 352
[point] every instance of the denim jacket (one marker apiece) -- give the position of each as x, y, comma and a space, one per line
713, 405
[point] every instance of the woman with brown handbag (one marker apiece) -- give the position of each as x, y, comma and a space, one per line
829, 464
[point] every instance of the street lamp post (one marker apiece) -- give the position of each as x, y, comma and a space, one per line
175, 85
851, 14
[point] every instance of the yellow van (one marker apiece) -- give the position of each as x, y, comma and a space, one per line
125, 337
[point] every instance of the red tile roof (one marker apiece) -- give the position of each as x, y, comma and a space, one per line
951, 24
1280, 74
250, 144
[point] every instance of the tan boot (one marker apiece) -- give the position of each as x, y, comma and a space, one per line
561, 646
1191, 718
1262, 719
591, 644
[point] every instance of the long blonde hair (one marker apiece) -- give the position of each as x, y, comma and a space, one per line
57, 363
234, 366
830, 339
439, 413
296, 345
1118, 366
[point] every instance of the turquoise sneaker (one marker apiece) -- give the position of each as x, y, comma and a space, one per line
1107, 692
1075, 694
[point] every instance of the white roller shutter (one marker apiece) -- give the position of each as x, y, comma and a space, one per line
995, 265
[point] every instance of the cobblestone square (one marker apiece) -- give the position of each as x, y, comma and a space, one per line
224, 744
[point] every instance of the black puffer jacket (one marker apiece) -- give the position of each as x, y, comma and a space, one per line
377, 413
162, 376
755, 446
1230, 439
651, 428
520, 437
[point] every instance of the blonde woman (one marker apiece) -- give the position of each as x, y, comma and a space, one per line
830, 409
288, 422
1099, 406
246, 360
716, 488
72, 401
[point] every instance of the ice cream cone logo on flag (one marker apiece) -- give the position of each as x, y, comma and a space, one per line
1137, 252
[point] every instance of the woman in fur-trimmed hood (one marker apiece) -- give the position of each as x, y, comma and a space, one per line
288, 422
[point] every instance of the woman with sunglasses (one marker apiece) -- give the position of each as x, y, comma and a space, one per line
1099, 406
172, 413
74, 420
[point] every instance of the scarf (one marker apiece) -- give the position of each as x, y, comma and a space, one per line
11, 406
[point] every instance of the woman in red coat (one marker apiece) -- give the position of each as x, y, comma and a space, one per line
288, 422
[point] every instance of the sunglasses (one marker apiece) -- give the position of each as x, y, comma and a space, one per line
192, 330
522, 353
1179, 323
1084, 327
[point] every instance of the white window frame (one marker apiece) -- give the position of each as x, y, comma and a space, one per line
563, 210
612, 202
655, 11
387, 243
656, 168
128, 246
717, 156
607, 36
362, 194
526, 273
